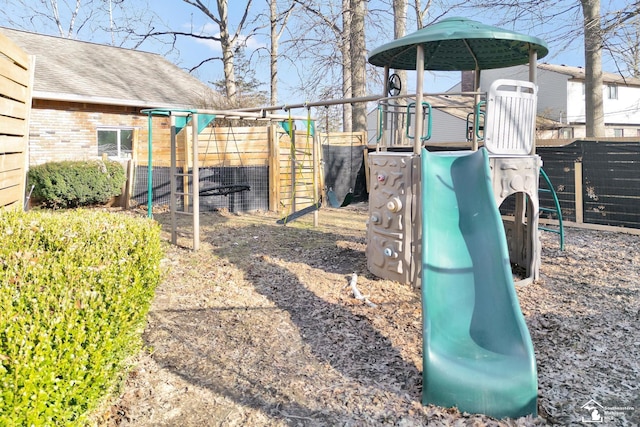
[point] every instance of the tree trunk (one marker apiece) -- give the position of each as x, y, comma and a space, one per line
593, 42
400, 30
345, 50
273, 17
227, 54
358, 64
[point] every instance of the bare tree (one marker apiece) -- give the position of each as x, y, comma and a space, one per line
625, 48
623, 41
230, 40
274, 18
66, 19
400, 30
81, 19
358, 11
421, 12
595, 28
345, 48
323, 39
593, 42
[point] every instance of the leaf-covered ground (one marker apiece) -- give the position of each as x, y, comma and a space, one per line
260, 327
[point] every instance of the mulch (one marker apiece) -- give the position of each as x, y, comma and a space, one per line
261, 327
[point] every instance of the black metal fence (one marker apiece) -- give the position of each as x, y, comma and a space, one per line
237, 189
608, 186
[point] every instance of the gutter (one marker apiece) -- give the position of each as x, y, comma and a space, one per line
66, 97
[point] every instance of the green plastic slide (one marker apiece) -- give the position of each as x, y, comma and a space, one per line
478, 354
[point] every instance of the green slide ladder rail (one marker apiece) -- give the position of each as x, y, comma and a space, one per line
477, 352
555, 209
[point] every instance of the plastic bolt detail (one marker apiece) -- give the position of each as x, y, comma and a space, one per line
382, 177
394, 205
390, 253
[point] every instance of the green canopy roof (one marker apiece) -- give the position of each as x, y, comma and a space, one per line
459, 44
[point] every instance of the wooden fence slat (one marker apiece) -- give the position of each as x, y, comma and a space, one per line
12, 126
10, 195
13, 52
11, 161
13, 90
12, 144
11, 177
12, 108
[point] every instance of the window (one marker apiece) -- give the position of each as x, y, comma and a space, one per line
566, 133
618, 133
612, 91
115, 142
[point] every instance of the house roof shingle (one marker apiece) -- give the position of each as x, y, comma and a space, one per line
87, 72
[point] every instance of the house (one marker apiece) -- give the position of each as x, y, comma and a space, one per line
561, 104
87, 97
561, 100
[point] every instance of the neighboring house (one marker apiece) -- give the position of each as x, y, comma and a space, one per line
561, 104
561, 99
87, 97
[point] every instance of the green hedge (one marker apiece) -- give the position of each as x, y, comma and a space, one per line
75, 288
71, 184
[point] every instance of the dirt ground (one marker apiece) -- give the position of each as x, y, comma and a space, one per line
260, 327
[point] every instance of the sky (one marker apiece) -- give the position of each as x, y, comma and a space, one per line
182, 17
559, 53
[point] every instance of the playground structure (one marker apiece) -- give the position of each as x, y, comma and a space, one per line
294, 176
434, 218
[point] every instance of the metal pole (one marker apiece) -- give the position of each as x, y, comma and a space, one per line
149, 168
172, 183
533, 68
476, 100
315, 180
195, 184
417, 141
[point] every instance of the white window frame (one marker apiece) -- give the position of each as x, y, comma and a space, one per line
612, 91
120, 154
565, 133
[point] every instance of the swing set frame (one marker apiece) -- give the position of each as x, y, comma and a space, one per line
179, 119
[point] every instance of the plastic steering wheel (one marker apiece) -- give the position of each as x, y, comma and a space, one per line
395, 85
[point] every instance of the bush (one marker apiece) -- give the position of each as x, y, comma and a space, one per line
71, 184
75, 288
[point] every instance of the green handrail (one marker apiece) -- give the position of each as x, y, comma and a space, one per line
429, 121
380, 123
479, 112
557, 210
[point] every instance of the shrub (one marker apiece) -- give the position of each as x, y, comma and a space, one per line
75, 288
71, 184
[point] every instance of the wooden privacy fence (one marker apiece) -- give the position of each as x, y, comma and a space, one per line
16, 80
291, 184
